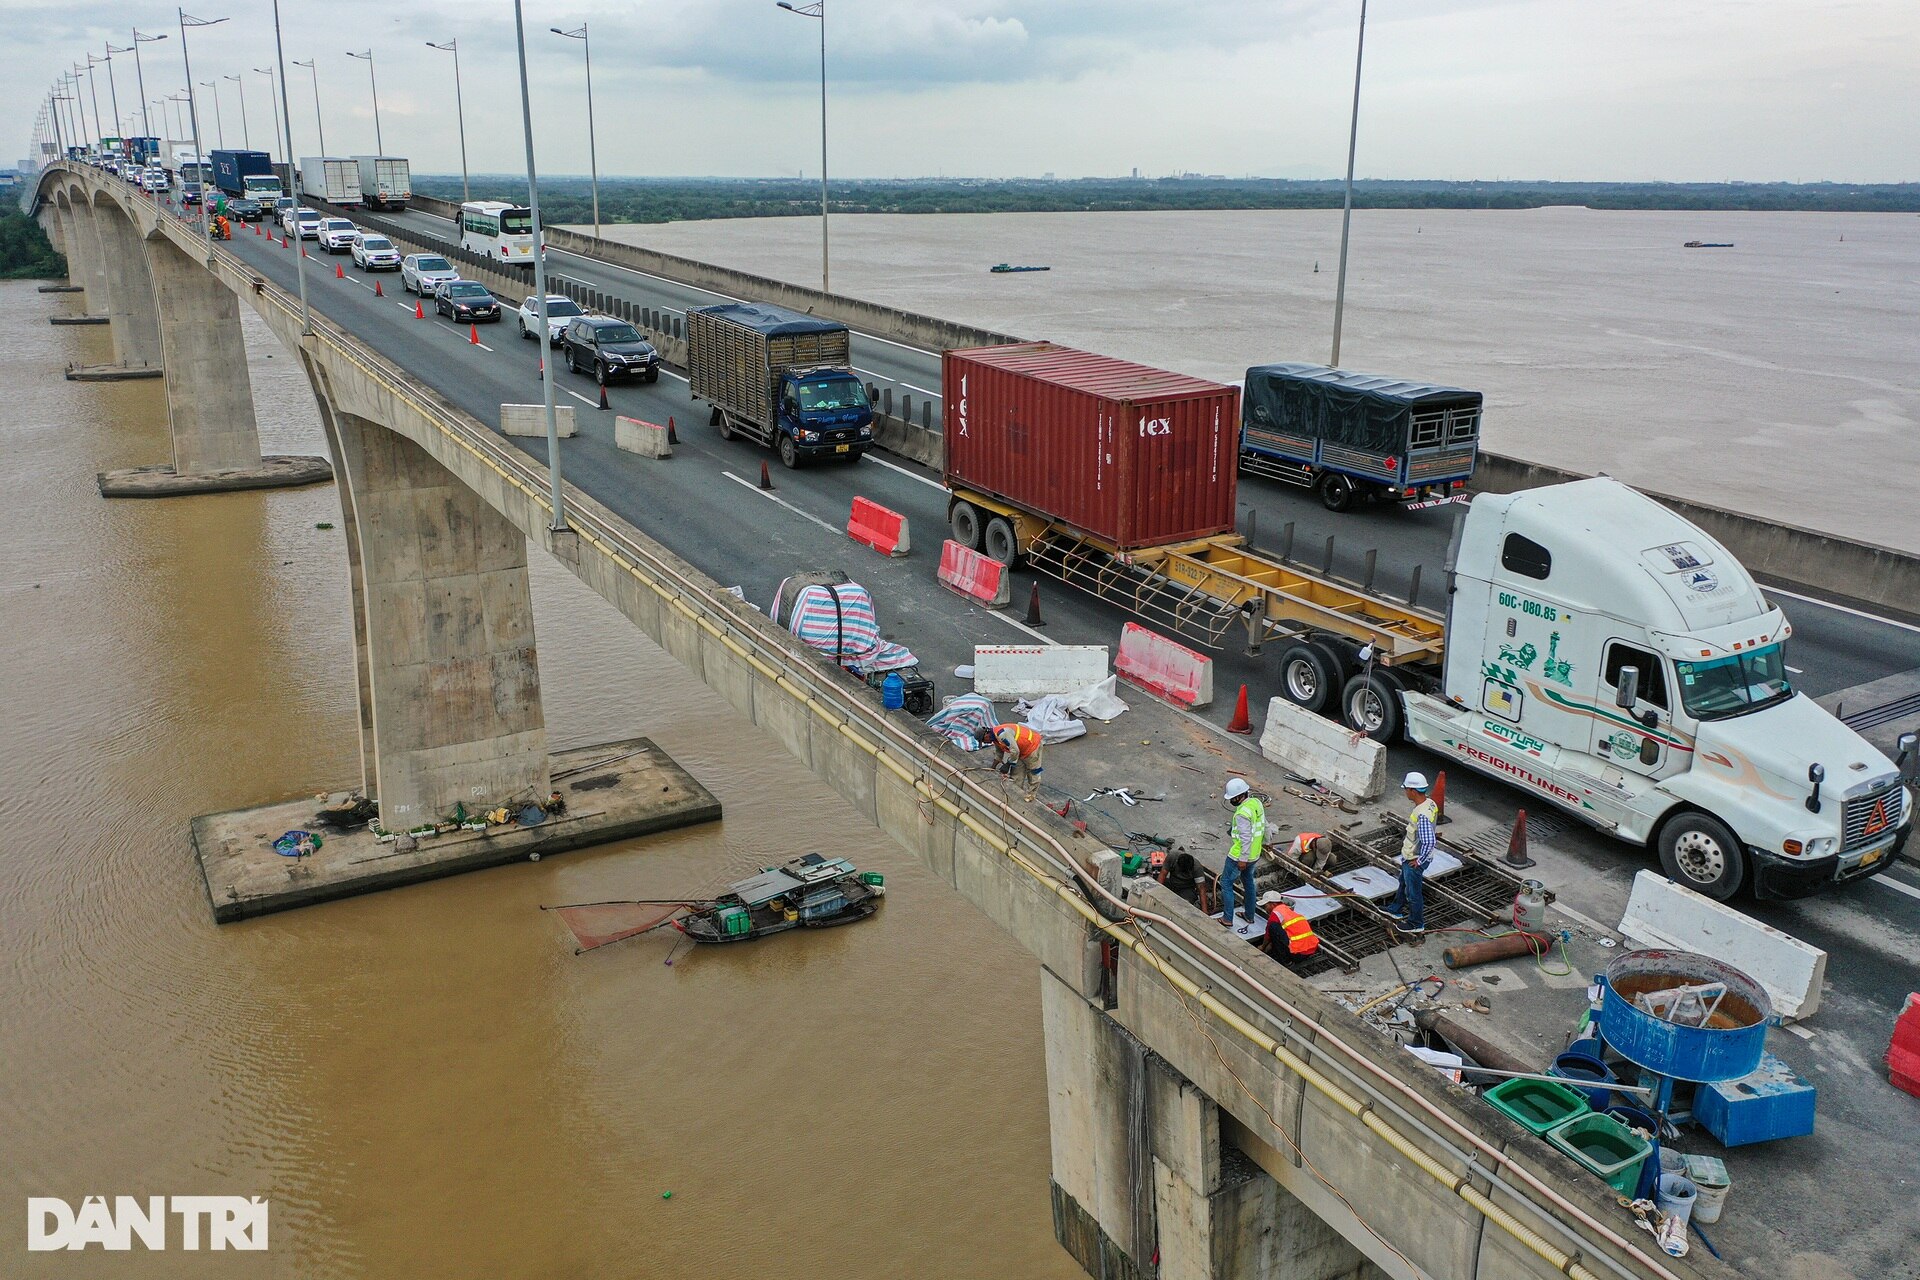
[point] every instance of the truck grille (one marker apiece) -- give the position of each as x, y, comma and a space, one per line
1873, 817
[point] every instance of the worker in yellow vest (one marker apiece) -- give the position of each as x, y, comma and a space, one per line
1016, 744
1409, 905
1249, 833
1288, 932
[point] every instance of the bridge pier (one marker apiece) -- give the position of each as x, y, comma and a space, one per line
130, 304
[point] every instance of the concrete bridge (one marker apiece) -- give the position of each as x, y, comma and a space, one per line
1212, 1115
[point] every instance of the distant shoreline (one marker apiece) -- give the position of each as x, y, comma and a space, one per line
655, 200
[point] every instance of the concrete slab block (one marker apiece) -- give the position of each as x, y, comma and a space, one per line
282, 472
1311, 745
1663, 914
1006, 672
531, 420
647, 439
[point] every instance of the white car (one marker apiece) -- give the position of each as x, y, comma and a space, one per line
373, 252
300, 219
337, 235
559, 311
422, 273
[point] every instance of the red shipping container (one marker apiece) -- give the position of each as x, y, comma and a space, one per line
1135, 456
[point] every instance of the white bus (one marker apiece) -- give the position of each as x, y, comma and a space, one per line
497, 230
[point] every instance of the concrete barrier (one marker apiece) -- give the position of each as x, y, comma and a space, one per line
1009, 671
979, 578
1349, 762
872, 525
648, 439
1165, 668
531, 420
1663, 914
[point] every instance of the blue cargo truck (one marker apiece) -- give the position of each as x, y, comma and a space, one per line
779, 378
1355, 437
247, 173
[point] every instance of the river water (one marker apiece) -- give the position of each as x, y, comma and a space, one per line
1779, 377
427, 1082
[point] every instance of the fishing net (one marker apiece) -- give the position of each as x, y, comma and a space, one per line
595, 924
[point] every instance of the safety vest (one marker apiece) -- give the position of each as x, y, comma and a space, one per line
1410, 846
1249, 830
1301, 939
1025, 741
1298, 849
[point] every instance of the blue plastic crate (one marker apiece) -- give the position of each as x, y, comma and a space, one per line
1772, 1102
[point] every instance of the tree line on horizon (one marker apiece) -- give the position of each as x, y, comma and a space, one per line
570, 199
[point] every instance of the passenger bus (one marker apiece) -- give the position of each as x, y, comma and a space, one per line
497, 230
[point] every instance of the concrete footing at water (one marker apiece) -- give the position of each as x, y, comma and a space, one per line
78, 319
285, 471
613, 791
113, 372
60, 288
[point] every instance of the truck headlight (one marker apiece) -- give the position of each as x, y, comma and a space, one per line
810, 436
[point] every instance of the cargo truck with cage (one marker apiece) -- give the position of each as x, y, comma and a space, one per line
1596, 650
1359, 437
779, 378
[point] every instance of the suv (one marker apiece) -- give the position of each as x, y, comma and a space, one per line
337, 235
421, 273
465, 300
610, 349
301, 220
560, 309
375, 253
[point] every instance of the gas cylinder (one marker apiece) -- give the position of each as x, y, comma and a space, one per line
1530, 908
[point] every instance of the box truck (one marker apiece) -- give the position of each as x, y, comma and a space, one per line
248, 174
330, 179
779, 378
1596, 651
385, 181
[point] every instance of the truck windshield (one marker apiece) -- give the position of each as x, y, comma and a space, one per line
832, 394
1732, 686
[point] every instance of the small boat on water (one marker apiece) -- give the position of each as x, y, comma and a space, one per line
1007, 268
809, 892
1708, 244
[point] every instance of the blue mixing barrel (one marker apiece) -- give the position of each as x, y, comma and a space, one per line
1728, 1047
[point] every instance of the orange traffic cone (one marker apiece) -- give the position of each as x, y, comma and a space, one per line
339, 272
766, 481
419, 312
304, 253
673, 437
1033, 607
1241, 722
603, 397
473, 334
1517, 859
1440, 797
378, 292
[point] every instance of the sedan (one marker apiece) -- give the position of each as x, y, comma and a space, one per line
465, 300
559, 311
375, 253
421, 272
245, 209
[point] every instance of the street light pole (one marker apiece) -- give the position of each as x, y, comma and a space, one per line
818, 12
1346, 214
322, 128
80, 106
193, 116
379, 143
273, 100
556, 495
113, 85
220, 124
93, 91
286, 115
141, 73
459, 110
246, 134
593, 157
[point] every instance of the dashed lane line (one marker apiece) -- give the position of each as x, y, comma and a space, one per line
770, 496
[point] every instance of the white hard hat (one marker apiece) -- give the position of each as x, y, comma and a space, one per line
1270, 897
1415, 782
1237, 787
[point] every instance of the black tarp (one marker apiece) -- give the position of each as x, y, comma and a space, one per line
1355, 410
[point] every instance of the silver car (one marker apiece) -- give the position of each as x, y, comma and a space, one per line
373, 252
422, 273
559, 310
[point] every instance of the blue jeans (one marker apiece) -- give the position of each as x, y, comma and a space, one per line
1411, 901
1235, 870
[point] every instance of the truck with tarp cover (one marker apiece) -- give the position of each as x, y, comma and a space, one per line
1353, 437
780, 378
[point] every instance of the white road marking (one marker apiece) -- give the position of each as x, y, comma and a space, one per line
1598, 928
591, 404
671, 374
1841, 608
1898, 886
1796, 1029
770, 496
911, 475
897, 382
1018, 625
1796, 670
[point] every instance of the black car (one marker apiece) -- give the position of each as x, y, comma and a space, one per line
465, 300
245, 209
609, 349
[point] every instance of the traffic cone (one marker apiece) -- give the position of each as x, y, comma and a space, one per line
1033, 608
1241, 722
1440, 798
378, 292
1517, 859
339, 272
603, 397
473, 335
304, 253
766, 481
673, 437
419, 312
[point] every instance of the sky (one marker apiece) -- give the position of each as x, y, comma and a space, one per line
1625, 90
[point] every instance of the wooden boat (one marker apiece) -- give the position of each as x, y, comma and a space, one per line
1008, 268
1708, 244
810, 892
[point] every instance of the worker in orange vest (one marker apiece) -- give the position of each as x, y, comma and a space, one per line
1017, 744
1313, 849
1288, 932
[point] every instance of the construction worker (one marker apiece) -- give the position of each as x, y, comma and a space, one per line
1243, 850
1017, 744
1288, 932
1313, 849
1409, 906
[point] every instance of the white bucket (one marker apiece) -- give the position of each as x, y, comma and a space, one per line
1676, 1196
1712, 1199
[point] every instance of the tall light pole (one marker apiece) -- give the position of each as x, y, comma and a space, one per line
93, 91
220, 125
79, 105
818, 12
179, 121
273, 100
141, 74
1346, 214
286, 115
379, 143
113, 85
309, 65
59, 131
246, 134
460, 110
556, 496
593, 158
193, 116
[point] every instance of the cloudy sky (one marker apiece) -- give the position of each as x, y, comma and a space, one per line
1799, 90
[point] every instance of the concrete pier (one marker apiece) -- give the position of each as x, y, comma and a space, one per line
276, 471
113, 372
625, 789
60, 288
77, 319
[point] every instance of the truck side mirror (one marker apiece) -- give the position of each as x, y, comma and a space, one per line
1816, 774
1626, 688
1908, 761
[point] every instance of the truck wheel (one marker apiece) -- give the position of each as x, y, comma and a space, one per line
1698, 851
1307, 678
965, 521
1000, 542
1371, 704
1337, 493
789, 453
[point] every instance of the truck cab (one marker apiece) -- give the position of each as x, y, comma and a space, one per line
781, 378
1615, 660
824, 412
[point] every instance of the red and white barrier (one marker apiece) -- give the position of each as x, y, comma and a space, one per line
1164, 668
1903, 1052
977, 577
648, 439
872, 525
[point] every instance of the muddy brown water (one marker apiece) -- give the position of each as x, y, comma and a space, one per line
427, 1082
